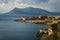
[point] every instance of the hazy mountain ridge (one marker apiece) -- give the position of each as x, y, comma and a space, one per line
29, 11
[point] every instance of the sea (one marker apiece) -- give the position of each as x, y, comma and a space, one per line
13, 30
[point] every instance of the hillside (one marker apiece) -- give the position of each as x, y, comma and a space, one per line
29, 11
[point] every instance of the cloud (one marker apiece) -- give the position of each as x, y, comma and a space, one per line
32, 2
50, 5
40, 1
6, 1
55, 5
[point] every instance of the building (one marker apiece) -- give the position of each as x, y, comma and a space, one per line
23, 18
39, 16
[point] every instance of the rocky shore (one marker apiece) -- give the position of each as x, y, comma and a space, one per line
51, 33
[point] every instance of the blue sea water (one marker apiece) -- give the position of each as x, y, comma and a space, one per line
12, 30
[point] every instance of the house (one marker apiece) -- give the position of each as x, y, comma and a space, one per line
23, 18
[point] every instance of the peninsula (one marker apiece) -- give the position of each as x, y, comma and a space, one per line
40, 19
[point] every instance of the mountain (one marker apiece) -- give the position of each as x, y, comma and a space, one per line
55, 13
29, 11
35, 10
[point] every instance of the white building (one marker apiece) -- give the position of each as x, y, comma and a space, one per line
23, 18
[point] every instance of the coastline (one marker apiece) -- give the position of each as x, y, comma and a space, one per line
51, 33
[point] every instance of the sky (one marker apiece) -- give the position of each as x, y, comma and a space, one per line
50, 5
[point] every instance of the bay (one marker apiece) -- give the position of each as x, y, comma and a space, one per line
12, 30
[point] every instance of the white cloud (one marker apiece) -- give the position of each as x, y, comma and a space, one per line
6, 7
51, 5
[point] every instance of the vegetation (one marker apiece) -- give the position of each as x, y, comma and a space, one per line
58, 18
54, 36
43, 17
54, 26
51, 37
38, 35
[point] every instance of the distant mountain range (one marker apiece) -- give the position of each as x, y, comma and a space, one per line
29, 11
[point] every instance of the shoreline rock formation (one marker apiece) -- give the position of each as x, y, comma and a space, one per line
51, 33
